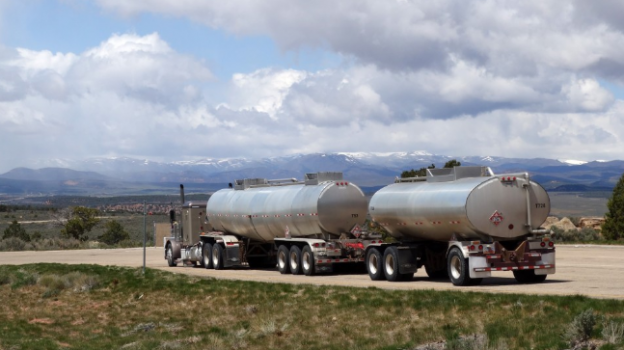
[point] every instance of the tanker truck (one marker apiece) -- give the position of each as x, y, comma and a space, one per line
464, 223
460, 223
302, 227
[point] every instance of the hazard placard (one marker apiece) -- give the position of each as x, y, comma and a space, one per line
496, 218
356, 231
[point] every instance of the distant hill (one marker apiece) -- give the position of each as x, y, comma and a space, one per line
53, 174
114, 176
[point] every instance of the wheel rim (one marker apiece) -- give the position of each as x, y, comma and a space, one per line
215, 257
372, 264
293, 261
169, 254
390, 264
305, 261
206, 258
455, 267
281, 260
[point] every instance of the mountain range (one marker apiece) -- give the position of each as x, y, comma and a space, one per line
121, 175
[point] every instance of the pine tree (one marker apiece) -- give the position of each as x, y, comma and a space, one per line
613, 227
16, 230
82, 221
114, 234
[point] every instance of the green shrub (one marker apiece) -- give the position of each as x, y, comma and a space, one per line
13, 244
613, 332
580, 329
16, 230
584, 235
114, 234
76, 281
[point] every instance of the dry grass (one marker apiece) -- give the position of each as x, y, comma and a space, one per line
120, 308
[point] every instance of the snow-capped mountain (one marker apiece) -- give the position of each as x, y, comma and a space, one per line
363, 168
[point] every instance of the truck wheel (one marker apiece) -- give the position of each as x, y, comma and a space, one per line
217, 257
170, 260
374, 265
458, 268
528, 276
391, 264
307, 261
207, 256
295, 260
282, 259
436, 274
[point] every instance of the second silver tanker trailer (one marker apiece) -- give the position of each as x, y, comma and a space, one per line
462, 223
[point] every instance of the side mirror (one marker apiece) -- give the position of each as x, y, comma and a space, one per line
172, 216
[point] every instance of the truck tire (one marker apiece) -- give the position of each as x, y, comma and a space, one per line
528, 276
459, 270
374, 265
436, 274
283, 264
217, 256
307, 261
294, 260
391, 264
207, 256
170, 260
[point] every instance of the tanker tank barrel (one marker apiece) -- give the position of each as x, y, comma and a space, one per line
263, 209
468, 201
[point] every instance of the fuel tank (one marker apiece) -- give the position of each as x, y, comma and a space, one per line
469, 202
322, 205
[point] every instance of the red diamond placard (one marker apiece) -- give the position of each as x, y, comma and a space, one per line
496, 218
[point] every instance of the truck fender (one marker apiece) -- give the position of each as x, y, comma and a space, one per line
175, 248
462, 248
380, 246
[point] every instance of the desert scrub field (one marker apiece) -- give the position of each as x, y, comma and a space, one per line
44, 235
55, 306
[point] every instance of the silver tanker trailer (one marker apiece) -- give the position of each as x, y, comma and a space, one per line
463, 222
300, 226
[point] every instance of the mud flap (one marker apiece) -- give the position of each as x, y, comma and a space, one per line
547, 259
232, 256
408, 260
323, 268
476, 262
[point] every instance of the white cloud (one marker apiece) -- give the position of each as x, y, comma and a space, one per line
478, 77
264, 90
588, 95
507, 39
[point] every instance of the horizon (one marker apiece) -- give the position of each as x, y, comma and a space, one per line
63, 163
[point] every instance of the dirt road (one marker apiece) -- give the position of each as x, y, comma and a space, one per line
594, 271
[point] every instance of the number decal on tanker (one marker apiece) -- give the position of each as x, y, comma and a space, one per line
540, 205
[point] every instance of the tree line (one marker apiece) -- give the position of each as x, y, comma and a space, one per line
423, 171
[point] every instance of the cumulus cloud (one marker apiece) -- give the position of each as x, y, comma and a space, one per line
107, 99
462, 57
510, 40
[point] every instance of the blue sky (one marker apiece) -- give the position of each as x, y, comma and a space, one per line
171, 80
56, 26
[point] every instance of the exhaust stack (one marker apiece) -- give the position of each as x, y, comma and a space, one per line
182, 193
